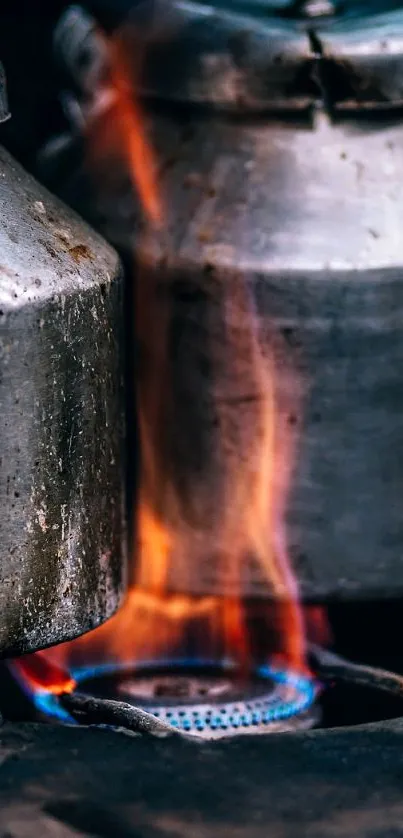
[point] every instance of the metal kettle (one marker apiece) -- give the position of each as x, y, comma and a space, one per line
62, 530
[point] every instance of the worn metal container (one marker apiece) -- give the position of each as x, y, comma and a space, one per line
62, 534
291, 216
298, 230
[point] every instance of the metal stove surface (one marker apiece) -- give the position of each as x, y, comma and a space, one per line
65, 782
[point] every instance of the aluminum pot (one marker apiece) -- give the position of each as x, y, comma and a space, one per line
62, 533
297, 214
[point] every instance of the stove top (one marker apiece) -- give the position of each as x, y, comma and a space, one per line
59, 781
122, 772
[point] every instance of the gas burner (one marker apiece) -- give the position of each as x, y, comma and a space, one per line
204, 699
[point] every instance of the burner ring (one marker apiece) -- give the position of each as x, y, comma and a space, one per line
285, 700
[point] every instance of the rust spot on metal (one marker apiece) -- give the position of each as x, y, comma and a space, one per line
80, 252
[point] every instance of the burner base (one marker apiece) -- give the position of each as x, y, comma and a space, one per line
209, 700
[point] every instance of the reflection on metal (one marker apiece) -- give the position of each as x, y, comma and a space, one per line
317, 8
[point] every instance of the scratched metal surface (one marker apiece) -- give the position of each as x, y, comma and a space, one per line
61, 420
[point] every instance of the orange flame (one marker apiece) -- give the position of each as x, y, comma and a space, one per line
232, 506
121, 133
37, 671
131, 134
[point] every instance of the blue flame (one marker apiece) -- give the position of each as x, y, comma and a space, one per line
303, 685
44, 701
293, 694
50, 706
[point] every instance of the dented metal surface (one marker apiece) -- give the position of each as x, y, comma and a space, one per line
62, 541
